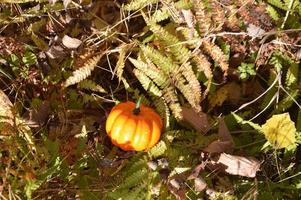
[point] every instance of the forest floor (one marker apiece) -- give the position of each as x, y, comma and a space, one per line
222, 75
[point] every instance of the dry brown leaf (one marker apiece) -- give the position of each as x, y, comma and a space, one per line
199, 184
196, 171
199, 121
71, 43
218, 146
224, 143
5, 106
36, 117
55, 52
6, 115
223, 132
239, 165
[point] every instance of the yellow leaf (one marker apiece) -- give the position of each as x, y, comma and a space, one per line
280, 131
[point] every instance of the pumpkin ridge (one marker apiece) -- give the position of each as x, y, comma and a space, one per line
117, 133
128, 143
135, 142
154, 119
143, 133
109, 128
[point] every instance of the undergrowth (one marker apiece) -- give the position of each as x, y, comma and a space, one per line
216, 71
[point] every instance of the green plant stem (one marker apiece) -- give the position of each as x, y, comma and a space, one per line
136, 111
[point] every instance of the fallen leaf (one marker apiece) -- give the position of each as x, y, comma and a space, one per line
196, 171
5, 106
223, 132
218, 146
38, 116
199, 184
71, 43
6, 115
224, 143
255, 31
239, 165
199, 121
56, 52
280, 131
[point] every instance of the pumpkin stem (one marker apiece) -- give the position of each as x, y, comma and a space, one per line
136, 111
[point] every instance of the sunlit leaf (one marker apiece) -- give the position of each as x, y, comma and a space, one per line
280, 131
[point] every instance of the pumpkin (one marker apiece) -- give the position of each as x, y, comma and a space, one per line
133, 127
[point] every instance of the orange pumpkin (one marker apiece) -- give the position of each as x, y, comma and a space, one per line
133, 127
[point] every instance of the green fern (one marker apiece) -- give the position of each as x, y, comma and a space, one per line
83, 72
134, 179
90, 85
151, 71
181, 53
278, 4
160, 15
161, 61
147, 83
157, 150
139, 4
273, 13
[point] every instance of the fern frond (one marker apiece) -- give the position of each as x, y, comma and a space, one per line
90, 85
120, 63
180, 52
186, 90
202, 18
134, 179
278, 4
163, 62
172, 101
163, 110
87, 98
160, 15
83, 72
137, 164
183, 4
138, 4
151, 71
147, 83
217, 55
203, 65
187, 71
292, 74
273, 13
157, 150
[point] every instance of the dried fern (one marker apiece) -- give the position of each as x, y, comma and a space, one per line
194, 85
217, 55
83, 72
173, 103
202, 64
